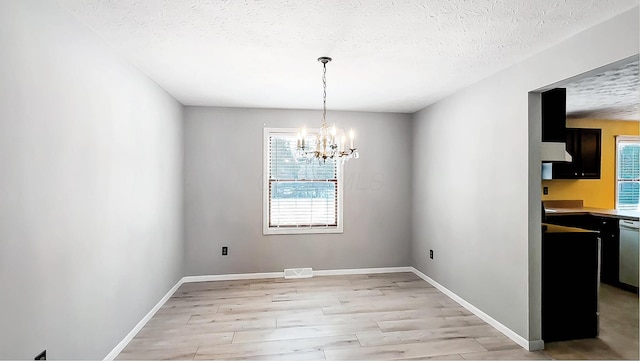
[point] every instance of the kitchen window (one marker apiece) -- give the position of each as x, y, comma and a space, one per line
627, 172
299, 196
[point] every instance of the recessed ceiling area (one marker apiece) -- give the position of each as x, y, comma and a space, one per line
613, 94
390, 56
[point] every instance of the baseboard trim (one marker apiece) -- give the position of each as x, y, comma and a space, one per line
125, 341
526, 344
361, 271
337, 272
232, 277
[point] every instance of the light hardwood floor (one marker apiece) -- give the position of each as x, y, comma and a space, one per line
618, 339
358, 317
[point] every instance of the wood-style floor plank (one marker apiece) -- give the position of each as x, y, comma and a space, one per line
291, 333
310, 295
409, 350
281, 347
281, 305
301, 320
223, 317
158, 353
479, 333
294, 356
430, 323
497, 343
167, 341
440, 357
515, 354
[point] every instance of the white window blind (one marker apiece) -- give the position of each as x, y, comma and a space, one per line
627, 172
300, 196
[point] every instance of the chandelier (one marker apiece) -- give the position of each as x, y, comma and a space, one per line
325, 145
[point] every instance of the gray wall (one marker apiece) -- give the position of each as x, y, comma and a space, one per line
223, 194
476, 198
90, 188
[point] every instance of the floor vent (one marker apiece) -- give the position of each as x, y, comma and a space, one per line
298, 272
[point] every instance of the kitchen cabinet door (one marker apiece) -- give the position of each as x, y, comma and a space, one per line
609, 248
567, 170
590, 153
569, 293
609, 234
584, 146
554, 114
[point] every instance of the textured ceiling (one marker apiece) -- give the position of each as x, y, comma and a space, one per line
388, 55
613, 94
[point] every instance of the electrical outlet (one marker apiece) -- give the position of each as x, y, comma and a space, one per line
431, 253
225, 250
545, 190
41, 356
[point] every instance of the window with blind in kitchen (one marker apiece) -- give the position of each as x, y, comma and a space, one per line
299, 196
628, 172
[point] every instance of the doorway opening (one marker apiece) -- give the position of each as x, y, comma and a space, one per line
581, 199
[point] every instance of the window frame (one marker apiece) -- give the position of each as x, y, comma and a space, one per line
266, 229
621, 139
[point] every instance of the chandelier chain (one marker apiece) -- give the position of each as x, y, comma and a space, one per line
324, 93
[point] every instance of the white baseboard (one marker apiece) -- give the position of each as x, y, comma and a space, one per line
337, 272
528, 345
361, 271
231, 277
125, 341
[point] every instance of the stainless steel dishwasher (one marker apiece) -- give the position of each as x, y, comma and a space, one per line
629, 240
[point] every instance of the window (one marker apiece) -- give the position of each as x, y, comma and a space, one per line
299, 196
627, 172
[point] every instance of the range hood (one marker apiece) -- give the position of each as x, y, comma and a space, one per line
554, 126
554, 152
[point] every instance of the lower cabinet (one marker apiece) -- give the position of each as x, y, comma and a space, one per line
610, 250
610, 241
569, 286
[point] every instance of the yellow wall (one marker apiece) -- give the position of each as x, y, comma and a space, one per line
601, 192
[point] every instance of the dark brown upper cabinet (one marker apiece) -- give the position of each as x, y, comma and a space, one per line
584, 145
554, 115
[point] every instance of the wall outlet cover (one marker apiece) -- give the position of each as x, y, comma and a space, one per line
41, 356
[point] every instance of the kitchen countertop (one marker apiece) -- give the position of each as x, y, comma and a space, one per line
613, 213
553, 228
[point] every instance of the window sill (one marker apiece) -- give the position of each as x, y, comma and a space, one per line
274, 231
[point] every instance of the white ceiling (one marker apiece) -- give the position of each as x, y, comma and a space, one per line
613, 94
388, 55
